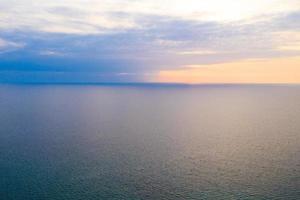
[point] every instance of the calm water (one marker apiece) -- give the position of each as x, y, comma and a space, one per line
149, 142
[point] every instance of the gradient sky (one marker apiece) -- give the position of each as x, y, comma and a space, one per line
182, 41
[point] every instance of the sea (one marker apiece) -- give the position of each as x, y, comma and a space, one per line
149, 142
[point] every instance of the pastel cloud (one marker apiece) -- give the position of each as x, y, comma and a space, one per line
128, 40
92, 16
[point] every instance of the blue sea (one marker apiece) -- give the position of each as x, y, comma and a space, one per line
149, 142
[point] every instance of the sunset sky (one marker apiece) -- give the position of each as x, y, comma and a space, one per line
175, 41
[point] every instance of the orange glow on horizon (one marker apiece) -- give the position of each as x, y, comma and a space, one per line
279, 70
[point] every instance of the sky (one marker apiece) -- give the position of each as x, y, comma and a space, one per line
165, 41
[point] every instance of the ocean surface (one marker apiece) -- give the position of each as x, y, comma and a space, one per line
137, 142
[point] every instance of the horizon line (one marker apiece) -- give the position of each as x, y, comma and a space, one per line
143, 83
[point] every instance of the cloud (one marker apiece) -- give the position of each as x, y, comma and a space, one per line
7, 46
132, 40
51, 53
94, 17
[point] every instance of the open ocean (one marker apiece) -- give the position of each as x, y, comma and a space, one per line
136, 142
